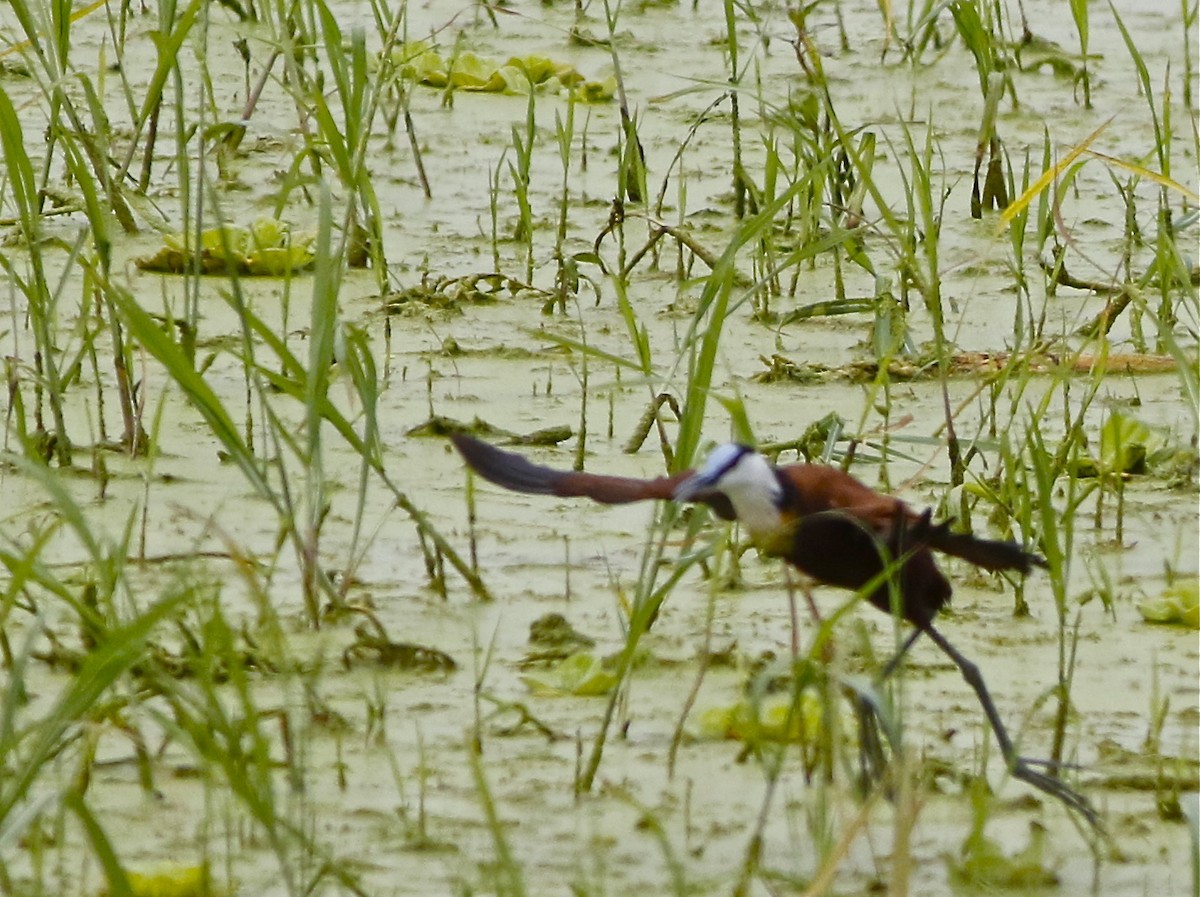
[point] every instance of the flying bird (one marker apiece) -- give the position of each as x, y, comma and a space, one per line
827, 525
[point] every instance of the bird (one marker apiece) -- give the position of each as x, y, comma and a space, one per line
826, 524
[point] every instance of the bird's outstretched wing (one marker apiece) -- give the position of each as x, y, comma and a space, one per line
515, 472
814, 490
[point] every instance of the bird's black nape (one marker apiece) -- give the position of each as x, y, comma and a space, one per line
719, 462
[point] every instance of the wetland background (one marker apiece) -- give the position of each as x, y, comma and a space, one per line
261, 634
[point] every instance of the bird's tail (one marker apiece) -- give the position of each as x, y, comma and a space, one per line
990, 554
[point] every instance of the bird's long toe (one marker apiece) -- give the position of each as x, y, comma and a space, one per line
1056, 787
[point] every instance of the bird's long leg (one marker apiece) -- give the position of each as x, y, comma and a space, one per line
898, 657
1019, 767
872, 760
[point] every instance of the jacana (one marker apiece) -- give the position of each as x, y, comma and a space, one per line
827, 525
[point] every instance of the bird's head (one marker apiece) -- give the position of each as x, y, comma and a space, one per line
743, 476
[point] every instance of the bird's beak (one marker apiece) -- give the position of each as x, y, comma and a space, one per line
693, 487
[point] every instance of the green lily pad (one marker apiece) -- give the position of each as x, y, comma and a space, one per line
514, 80
1125, 444
768, 719
597, 91
417, 61
583, 673
174, 881
1178, 605
984, 864
423, 66
536, 69
470, 72
268, 248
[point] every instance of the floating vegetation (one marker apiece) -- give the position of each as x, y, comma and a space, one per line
982, 863
441, 427
584, 674
370, 647
1176, 605
773, 717
1147, 769
174, 881
268, 248
518, 75
552, 639
1126, 447
781, 368
452, 293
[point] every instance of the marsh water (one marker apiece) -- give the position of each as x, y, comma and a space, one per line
411, 778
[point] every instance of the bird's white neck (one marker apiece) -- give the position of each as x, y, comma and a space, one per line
754, 490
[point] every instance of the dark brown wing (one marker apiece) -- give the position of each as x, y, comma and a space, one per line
815, 488
839, 549
515, 472
818, 489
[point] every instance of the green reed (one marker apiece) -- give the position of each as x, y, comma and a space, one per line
114, 629
519, 169
35, 286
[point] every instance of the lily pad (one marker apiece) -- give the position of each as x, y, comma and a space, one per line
984, 864
1125, 444
1177, 605
268, 248
583, 673
470, 72
597, 91
424, 66
768, 719
536, 69
175, 881
519, 75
